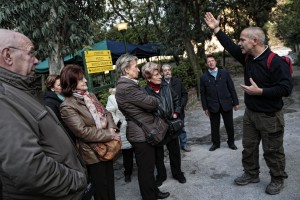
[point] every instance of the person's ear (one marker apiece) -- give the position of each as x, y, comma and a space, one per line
6, 55
126, 70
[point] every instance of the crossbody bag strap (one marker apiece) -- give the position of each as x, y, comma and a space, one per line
131, 118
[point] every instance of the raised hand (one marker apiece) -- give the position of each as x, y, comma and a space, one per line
212, 22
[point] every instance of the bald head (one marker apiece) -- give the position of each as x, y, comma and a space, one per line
9, 38
17, 53
256, 33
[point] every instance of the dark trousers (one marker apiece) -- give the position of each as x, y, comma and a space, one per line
145, 160
175, 160
128, 161
215, 125
268, 128
102, 178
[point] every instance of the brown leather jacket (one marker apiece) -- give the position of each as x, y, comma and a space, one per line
137, 104
80, 121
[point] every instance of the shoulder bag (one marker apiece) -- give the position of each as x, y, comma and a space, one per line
175, 126
156, 134
107, 150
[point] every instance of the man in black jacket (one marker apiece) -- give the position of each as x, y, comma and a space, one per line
176, 84
218, 97
264, 88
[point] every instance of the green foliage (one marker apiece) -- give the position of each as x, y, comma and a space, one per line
56, 27
142, 83
287, 23
184, 71
103, 96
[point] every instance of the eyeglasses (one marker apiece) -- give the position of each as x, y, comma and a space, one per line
30, 52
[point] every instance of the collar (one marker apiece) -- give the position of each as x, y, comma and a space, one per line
262, 52
155, 87
134, 80
212, 71
21, 82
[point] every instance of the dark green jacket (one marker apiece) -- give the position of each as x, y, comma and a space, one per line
38, 159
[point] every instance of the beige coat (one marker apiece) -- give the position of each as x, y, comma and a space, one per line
78, 118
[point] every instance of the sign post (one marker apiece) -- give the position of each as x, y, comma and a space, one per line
98, 68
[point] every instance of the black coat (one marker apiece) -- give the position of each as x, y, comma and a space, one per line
219, 92
52, 101
177, 85
168, 100
276, 82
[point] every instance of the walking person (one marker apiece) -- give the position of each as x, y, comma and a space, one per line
119, 119
90, 122
218, 97
264, 89
177, 85
136, 103
38, 159
169, 108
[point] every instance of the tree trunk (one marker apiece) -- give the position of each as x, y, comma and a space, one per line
194, 61
56, 62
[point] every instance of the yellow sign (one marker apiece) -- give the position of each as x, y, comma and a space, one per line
99, 69
98, 64
98, 61
97, 58
97, 53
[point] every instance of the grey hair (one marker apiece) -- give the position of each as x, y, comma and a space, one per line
166, 65
256, 32
123, 62
149, 68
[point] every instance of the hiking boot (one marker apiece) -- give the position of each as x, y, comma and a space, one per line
246, 179
275, 187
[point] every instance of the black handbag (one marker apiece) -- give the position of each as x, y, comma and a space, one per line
175, 126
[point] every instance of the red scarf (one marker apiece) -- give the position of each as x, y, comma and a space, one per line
155, 87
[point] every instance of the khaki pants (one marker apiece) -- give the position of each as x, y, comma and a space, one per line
268, 128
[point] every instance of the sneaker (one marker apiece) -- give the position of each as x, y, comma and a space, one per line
275, 187
186, 149
246, 179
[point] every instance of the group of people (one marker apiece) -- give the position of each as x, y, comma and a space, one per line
44, 149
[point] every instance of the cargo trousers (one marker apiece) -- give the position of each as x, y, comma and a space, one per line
268, 128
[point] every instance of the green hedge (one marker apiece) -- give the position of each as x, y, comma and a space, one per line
185, 72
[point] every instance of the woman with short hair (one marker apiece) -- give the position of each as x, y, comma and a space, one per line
136, 103
90, 122
169, 108
53, 99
